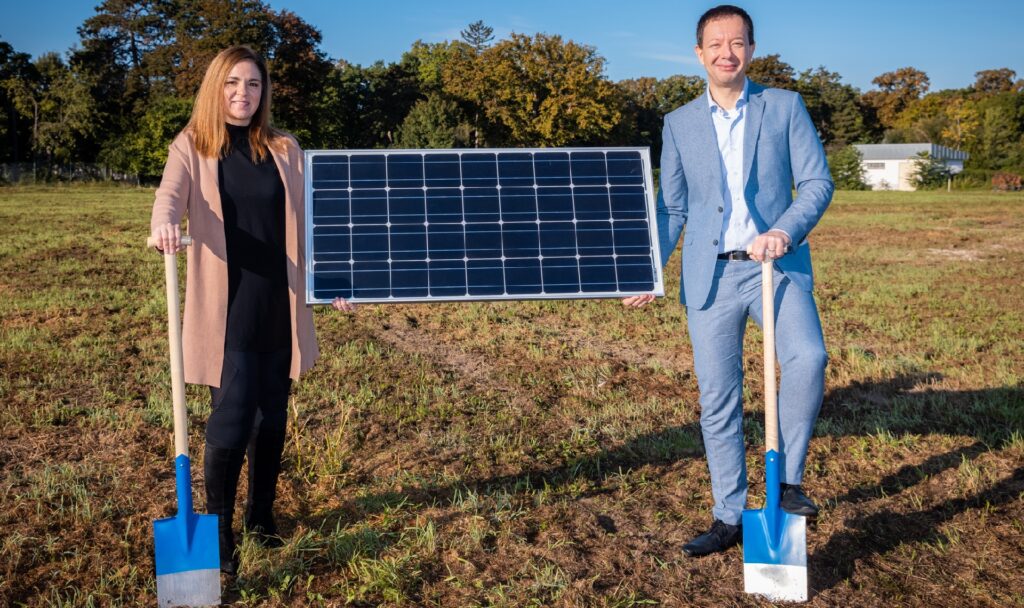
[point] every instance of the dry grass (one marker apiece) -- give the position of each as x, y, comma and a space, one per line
525, 454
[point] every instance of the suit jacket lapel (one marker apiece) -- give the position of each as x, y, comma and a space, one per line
704, 138
755, 111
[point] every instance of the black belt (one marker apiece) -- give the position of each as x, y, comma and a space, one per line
735, 256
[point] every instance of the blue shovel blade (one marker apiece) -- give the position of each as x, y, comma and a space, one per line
774, 546
775, 567
185, 542
187, 551
187, 560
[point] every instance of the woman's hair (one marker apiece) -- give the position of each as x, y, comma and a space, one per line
208, 115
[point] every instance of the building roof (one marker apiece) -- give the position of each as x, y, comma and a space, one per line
906, 151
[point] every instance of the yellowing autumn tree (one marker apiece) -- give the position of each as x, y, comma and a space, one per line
539, 91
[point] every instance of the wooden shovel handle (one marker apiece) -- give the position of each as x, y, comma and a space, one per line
771, 395
174, 339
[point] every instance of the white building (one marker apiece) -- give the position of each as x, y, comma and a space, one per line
891, 166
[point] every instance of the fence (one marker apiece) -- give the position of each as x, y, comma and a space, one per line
41, 172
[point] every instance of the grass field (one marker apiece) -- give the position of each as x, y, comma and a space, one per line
525, 454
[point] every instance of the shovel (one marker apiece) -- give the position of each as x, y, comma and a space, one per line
774, 542
187, 550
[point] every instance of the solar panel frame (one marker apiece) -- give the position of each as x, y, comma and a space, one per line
409, 232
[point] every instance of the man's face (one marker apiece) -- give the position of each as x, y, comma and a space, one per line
725, 52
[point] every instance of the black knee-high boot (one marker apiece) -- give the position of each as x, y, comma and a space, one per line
264, 453
222, 468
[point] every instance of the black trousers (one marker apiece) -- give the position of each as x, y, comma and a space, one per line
252, 397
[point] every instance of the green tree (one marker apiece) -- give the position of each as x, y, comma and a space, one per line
772, 71
15, 141
59, 105
117, 41
846, 165
962, 124
434, 122
832, 106
539, 91
139, 51
143, 151
298, 68
478, 35
929, 172
364, 107
998, 143
646, 101
428, 60
676, 91
923, 120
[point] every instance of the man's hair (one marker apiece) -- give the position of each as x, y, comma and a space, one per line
722, 11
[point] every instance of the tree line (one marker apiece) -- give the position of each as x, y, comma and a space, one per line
120, 95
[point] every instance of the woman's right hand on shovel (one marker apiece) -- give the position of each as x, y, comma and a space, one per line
167, 238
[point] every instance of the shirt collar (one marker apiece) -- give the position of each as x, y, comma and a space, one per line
742, 101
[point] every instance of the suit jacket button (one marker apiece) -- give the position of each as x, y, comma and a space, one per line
721, 209
715, 242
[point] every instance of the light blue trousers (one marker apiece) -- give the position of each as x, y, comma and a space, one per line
716, 333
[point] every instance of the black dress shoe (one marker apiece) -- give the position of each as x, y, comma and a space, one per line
720, 537
796, 502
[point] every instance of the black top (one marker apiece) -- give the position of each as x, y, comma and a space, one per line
252, 195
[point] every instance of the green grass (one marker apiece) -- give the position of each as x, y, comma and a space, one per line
524, 453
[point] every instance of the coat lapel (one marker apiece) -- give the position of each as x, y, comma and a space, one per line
211, 185
755, 111
704, 138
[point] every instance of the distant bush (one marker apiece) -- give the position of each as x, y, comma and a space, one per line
1006, 182
930, 172
973, 178
847, 169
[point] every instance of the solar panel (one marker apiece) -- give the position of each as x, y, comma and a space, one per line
480, 224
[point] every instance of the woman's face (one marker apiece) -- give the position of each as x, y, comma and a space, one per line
242, 91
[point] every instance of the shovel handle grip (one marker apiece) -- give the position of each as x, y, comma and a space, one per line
151, 243
771, 394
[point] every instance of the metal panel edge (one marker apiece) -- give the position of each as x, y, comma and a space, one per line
652, 214
308, 212
388, 151
502, 298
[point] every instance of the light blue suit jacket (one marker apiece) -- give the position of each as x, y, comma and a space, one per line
780, 148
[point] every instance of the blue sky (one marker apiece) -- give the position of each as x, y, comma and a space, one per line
949, 40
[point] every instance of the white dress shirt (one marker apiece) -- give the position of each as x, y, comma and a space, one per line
738, 228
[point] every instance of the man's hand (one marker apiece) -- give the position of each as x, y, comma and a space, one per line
343, 305
771, 245
638, 301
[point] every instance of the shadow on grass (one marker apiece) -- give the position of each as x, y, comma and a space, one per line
879, 533
992, 417
887, 408
893, 406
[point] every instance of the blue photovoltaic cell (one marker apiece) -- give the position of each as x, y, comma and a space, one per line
480, 224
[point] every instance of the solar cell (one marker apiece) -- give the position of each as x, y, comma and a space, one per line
429, 225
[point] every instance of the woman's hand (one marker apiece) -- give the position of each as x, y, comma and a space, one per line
167, 238
343, 305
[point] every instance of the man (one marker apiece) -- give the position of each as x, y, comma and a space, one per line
729, 162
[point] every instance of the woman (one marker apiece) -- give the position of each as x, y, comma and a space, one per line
247, 331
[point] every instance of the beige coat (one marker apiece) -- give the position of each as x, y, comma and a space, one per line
189, 185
